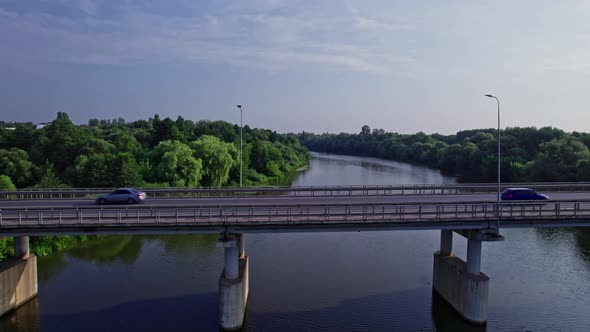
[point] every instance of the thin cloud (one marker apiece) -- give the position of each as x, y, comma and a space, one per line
138, 36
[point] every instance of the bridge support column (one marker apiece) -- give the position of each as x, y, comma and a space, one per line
446, 242
233, 283
18, 277
461, 284
21, 246
473, 256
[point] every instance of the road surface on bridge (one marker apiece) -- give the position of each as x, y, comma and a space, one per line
286, 200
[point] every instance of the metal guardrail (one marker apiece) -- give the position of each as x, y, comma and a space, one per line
91, 219
422, 189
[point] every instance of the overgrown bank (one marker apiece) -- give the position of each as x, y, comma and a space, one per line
42, 245
144, 153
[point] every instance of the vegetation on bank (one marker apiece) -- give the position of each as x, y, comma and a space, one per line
41, 245
145, 153
154, 152
528, 154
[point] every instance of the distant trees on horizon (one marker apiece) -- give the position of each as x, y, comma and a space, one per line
527, 154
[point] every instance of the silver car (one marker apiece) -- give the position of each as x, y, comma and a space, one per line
123, 195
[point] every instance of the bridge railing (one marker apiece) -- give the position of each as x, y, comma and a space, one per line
364, 190
286, 214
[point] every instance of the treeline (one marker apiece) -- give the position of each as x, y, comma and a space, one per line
527, 154
154, 152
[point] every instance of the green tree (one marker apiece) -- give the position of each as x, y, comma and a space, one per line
49, 178
267, 158
15, 163
164, 130
6, 183
558, 160
176, 164
64, 140
217, 159
94, 171
583, 167
125, 170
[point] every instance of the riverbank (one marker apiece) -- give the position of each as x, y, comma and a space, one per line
44, 245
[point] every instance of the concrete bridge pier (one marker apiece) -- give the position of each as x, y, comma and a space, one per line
233, 283
18, 277
459, 283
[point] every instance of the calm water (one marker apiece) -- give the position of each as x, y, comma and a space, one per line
367, 281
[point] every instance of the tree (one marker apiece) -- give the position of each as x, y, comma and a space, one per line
558, 160
125, 170
267, 158
366, 130
164, 130
176, 164
63, 142
49, 179
15, 163
94, 171
217, 159
6, 183
124, 141
583, 167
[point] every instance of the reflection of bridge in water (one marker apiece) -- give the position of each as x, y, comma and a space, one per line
469, 210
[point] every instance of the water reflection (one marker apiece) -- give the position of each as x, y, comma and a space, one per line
446, 319
380, 312
187, 244
160, 314
326, 169
25, 318
551, 234
582, 237
124, 249
102, 250
108, 249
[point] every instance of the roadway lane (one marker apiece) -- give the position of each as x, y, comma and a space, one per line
279, 200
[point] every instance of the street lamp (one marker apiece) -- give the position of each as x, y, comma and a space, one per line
498, 198
240, 107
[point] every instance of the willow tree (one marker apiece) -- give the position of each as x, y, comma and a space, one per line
217, 157
176, 164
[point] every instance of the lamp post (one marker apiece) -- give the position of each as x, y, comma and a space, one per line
240, 107
498, 198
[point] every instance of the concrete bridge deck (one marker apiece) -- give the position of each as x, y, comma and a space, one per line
288, 215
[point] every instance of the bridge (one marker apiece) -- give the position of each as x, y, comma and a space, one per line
469, 210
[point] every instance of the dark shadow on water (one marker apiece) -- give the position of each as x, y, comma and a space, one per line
25, 318
381, 312
582, 236
199, 312
124, 249
188, 313
446, 319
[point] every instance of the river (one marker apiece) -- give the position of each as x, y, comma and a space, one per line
346, 281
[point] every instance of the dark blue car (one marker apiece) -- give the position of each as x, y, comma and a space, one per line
522, 194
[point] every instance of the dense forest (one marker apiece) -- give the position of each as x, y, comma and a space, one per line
527, 154
144, 153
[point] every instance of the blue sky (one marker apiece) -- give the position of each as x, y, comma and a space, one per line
320, 66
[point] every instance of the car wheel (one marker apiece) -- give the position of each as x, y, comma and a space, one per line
102, 201
130, 201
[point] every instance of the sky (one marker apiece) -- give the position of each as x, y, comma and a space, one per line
299, 65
